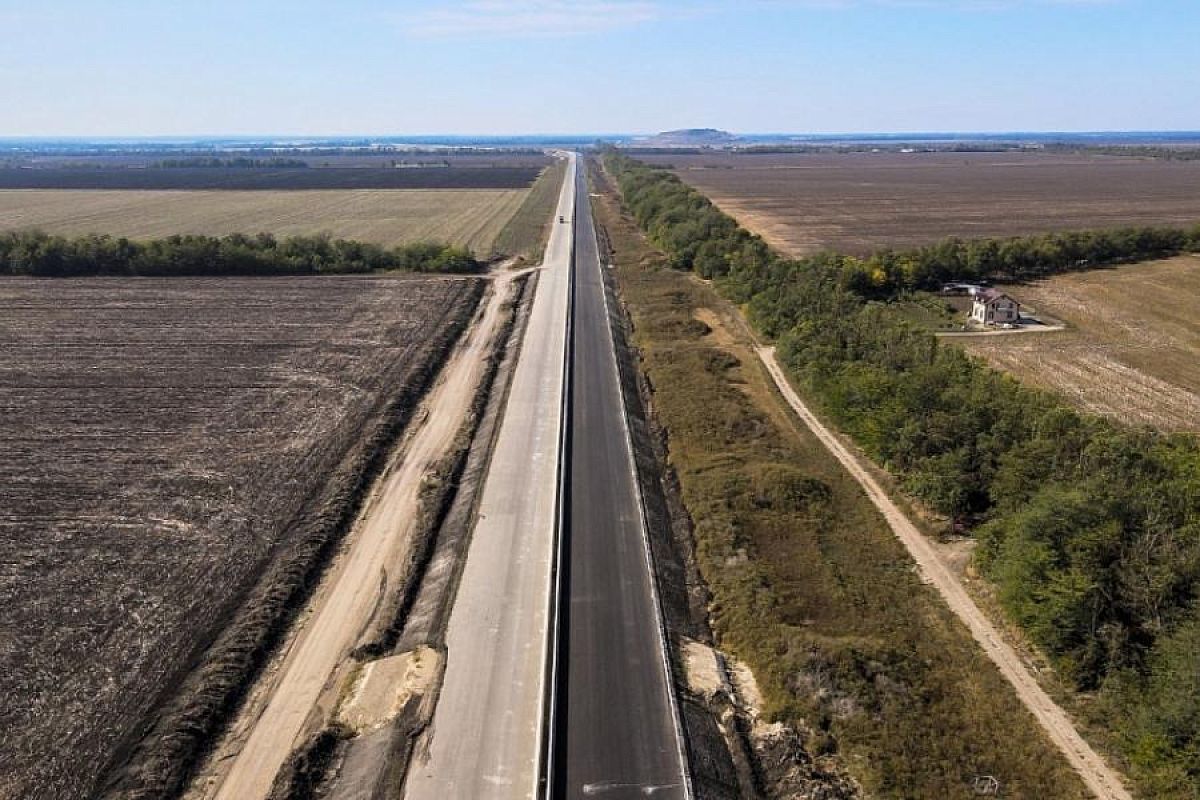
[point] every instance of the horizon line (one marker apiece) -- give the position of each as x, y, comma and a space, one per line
590, 135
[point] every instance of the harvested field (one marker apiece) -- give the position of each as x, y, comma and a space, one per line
166, 443
470, 217
266, 179
859, 202
1130, 350
527, 231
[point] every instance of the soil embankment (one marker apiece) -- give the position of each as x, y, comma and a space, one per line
375, 567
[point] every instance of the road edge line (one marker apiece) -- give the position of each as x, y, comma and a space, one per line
659, 616
547, 722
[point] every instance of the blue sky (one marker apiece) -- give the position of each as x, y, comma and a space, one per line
157, 67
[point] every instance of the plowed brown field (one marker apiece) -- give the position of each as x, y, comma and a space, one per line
859, 202
161, 443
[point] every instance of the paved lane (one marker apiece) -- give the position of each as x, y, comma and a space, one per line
486, 732
618, 724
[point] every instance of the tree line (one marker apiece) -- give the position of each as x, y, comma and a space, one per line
1089, 529
1012, 260
241, 162
1161, 152
40, 254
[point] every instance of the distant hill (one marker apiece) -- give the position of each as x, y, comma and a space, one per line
689, 137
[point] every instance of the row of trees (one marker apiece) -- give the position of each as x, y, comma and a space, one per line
240, 162
698, 236
41, 254
1015, 259
1091, 530
1167, 153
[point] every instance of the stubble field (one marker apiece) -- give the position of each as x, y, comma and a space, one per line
469, 217
1130, 350
164, 442
860, 202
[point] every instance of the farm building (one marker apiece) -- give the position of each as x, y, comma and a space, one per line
993, 307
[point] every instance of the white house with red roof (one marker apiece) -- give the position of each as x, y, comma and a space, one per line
994, 307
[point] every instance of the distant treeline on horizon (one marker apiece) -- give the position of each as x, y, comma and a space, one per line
201, 146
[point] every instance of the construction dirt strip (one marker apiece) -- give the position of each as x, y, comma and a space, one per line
1098, 776
295, 697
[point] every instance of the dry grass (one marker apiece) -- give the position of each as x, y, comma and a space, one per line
471, 217
860, 202
1130, 351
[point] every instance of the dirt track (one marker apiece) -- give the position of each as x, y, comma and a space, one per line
370, 566
1100, 779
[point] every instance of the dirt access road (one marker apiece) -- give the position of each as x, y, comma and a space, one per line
371, 565
1098, 776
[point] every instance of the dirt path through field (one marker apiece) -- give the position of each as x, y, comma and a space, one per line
371, 563
1102, 780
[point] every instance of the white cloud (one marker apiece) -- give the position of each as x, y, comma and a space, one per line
518, 18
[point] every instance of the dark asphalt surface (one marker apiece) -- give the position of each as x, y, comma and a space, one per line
616, 732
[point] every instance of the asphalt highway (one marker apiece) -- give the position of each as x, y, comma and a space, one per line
607, 717
617, 735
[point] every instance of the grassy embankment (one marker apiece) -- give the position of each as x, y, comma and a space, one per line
526, 232
809, 586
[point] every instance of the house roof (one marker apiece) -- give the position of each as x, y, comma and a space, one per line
990, 296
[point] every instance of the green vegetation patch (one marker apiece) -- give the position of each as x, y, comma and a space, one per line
808, 584
931, 312
1090, 530
40, 254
